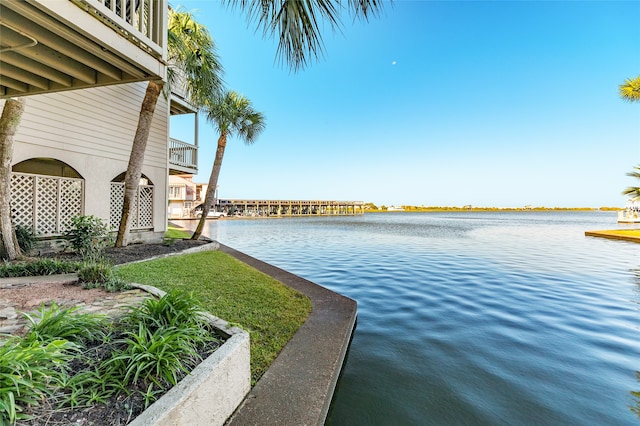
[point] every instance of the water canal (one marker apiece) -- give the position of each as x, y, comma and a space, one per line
471, 318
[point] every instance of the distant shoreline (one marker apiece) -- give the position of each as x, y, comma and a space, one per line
408, 209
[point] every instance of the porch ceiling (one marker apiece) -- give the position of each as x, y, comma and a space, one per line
50, 46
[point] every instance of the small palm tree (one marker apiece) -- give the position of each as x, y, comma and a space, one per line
633, 191
191, 54
630, 90
233, 115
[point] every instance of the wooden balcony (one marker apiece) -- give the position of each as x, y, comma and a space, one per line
54, 45
183, 157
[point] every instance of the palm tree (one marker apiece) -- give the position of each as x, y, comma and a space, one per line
633, 191
232, 115
295, 22
630, 90
9, 121
191, 53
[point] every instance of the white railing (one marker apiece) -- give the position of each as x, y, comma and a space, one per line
140, 21
183, 154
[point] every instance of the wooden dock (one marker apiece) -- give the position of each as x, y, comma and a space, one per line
278, 208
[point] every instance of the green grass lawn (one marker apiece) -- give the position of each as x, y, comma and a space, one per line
229, 289
175, 232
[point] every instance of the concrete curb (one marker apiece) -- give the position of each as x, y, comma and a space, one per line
298, 386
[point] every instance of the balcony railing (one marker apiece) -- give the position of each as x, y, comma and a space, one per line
138, 20
183, 155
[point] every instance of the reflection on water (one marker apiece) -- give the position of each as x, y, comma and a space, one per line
471, 318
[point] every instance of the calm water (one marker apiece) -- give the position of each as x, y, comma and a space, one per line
471, 318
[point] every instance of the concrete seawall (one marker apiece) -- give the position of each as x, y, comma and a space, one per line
298, 386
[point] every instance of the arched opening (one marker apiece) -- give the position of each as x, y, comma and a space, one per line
143, 210
45, 194
47, 167
144, 180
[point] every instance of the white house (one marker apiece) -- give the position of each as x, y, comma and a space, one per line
84, 65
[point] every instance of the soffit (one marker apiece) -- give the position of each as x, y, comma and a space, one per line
40, 52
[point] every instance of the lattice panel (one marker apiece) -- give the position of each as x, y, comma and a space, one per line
115, 204
22, 199
70, 202
144, 201
145, 207
134, 213
46, 205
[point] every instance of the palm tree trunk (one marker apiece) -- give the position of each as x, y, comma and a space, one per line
213, 183
9, 122
134, 169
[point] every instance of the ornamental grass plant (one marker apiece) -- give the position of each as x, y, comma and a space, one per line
69, 359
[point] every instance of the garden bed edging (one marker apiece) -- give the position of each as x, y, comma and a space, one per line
212, 391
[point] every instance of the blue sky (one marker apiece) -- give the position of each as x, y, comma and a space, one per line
437, 103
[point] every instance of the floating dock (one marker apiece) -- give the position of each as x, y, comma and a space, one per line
267, 208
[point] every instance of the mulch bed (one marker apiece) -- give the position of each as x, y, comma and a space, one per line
134, 252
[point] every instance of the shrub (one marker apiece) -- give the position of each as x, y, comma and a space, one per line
26, 238
39, 267
89, 236
95, 272
100, 275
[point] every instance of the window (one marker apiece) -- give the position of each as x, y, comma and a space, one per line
175, 191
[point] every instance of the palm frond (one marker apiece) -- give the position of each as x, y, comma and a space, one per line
296, 23
192, 52
633, 192
233, 114
630, 90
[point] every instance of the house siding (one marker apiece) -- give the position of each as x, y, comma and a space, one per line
92, 130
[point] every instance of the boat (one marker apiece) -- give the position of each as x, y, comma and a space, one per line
631, 213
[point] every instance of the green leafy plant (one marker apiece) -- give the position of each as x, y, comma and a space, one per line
169, 241
151, 347
89, 236
55, 323
26, 238
116, 284
38, 267
152, 356
29, 371
101, 275
174, 309
95, 272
